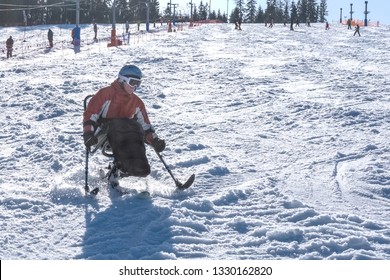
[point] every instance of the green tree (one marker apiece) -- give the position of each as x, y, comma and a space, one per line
235, 15
195, 14
221, 17
302, 11
10, 14
286, 13
203, 11
213, 15
322, 11
279, 11
294, 12
240, 6
260, 15
270, 11
312, 10
250, 11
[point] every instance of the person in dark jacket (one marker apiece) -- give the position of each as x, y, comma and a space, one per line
349, 23
50, 37
95, 28
357, 30
9, 45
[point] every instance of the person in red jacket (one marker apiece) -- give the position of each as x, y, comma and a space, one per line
123, 112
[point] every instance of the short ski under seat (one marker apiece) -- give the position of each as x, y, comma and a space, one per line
126, 139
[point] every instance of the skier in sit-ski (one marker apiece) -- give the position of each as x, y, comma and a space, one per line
121, 115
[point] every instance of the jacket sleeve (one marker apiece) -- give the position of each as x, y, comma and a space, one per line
143, 120
97, 108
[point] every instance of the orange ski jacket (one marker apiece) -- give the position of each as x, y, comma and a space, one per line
114, 102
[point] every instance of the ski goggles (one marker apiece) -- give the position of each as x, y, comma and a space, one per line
132, 81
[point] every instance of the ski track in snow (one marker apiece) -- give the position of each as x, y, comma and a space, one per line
287, 133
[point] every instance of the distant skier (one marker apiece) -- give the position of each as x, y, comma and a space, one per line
123, 112
76, 39
76, 36
9, 45
349, 23
271, 24
357, 30
127, 26
95, 29
50, 37
327, 26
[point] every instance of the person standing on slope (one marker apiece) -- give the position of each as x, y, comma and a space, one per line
127, 26
9, 45
349, 23
95, 29
123, 112
357, 30
50, 37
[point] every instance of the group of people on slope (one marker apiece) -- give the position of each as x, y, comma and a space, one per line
327, 26
9, 44
357, 27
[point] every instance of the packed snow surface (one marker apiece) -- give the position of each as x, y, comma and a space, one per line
286, 131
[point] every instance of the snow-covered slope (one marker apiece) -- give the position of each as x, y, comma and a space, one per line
287, 133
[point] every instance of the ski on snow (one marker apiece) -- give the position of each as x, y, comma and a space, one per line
127, 191
94, 191
144, 194
187, 184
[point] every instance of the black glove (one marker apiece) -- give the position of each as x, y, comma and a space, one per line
90, 139
158, 144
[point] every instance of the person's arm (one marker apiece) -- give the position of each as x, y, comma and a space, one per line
96, 108
151, 137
